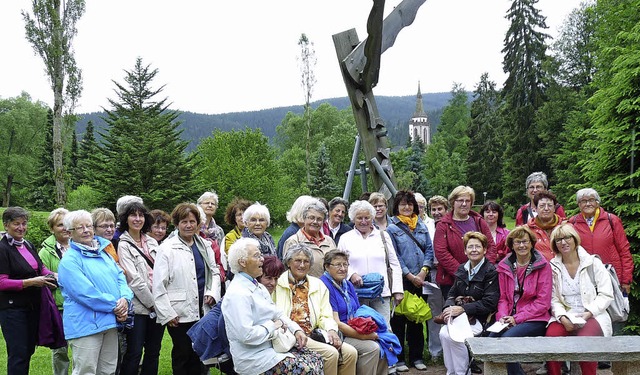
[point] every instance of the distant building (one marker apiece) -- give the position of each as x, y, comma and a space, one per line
419, 127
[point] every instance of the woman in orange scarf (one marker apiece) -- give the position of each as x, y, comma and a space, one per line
544, 223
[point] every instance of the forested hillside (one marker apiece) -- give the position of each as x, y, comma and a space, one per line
395, 110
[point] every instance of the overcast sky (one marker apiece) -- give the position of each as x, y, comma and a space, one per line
242, 55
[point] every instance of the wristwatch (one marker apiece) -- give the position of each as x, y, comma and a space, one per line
425, 269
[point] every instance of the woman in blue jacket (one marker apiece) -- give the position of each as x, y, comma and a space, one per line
96, 296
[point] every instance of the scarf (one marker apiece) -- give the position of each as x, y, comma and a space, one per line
267, 246
13, 242
411, 221
344, 291
591, 221
547, 227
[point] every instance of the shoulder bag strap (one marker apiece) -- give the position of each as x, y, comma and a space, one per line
406, 230
149, 262
386, 259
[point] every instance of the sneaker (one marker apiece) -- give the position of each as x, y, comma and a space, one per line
391, 370
401, 367
420, 366
542, 370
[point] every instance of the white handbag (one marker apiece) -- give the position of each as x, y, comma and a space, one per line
283, 340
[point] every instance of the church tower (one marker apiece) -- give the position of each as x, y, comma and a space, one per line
419, 127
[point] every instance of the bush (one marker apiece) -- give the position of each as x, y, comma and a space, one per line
84, 198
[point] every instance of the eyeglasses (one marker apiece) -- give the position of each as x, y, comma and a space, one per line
585, 201
312, 218
547, 205
209, 203
83, 228
474, 247
536, 187
157, 227
521, 242
340, 265
379, 206
254, 220
106, 226
463, 201
565, 239
298, 262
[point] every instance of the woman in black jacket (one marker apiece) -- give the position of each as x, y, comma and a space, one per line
22, 275
475, 292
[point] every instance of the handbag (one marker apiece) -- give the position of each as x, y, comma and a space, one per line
372, 286
386, 259
283, 340
413, 308
619, 308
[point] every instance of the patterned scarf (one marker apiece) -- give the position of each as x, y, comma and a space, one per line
267, 246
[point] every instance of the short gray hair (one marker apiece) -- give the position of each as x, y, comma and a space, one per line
256, 209
587, 192
316, 205
294, 215
74, 216
537, 177
358, 206
421, 199
14, 213
208, 195
124, 201
238, 250
295, 249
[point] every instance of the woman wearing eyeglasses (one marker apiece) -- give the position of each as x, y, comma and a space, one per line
602, 233
536, 183
581, 288
544, 223
525, 290
310, 234
96, 297
305, 300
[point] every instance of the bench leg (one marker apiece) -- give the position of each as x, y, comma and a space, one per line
624, 368
492, 368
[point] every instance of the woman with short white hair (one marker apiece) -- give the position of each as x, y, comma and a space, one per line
209, 203
256, 220
252, 319
369, 249
294, 216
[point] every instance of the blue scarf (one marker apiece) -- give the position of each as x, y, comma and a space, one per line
344, 290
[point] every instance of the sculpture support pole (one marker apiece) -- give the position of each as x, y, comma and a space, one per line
352, 170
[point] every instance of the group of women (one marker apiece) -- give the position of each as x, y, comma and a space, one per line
131, 280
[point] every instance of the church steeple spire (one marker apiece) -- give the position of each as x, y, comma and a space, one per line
419, 105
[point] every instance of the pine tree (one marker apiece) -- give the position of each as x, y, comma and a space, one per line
89, 156
322, 182
524, 92
44, 191
143, 152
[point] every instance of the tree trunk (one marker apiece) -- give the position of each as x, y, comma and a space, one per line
58, 103
6, 200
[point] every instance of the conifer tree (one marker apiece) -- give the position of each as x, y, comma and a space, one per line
44, 185
142, 151
88, 156
322, 182
523, 93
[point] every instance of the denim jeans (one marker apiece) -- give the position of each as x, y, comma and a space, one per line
147, 334
20, 330
526, 329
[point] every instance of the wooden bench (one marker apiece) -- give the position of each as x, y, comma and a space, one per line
622, 351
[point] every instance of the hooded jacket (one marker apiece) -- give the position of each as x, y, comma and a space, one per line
535, 301
449, 247
596, 303
609, 241
91, 283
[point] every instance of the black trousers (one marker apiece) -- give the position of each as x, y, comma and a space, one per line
413, 332
184, 361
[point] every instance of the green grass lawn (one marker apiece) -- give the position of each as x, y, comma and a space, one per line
41, 360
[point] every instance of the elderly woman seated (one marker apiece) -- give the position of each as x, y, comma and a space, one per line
305, 299
475, 293
344, 302
252, 319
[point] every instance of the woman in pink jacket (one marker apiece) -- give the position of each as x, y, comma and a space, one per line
525, 290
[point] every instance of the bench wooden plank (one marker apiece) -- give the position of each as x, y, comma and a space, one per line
623, 351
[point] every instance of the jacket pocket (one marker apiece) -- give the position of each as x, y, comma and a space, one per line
178, 298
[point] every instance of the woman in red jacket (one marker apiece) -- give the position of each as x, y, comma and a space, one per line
525, 290
448, 245
602, 233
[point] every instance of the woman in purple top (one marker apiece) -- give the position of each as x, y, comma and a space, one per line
22, 274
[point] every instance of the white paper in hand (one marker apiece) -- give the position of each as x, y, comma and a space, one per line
498, 327
459, 328
429, 287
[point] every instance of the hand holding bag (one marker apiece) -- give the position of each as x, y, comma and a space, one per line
283, 340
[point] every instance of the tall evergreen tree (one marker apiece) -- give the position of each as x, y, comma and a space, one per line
486, 139
322, 182
88, 156
523, 93
44, 186
143, 152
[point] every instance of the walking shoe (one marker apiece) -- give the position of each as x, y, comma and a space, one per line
420, 366
391, 370
401, 367
543, 369
475, 369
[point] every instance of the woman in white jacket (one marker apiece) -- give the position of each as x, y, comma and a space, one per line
581, 289
186, 283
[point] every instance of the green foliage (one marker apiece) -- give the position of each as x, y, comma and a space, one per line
322, 181
22, 131
142, 153
42, 195
84, 197
243, 164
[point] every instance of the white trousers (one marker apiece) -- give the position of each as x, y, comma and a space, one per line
455, 354
96, 354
